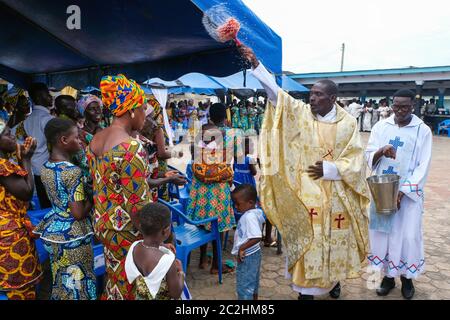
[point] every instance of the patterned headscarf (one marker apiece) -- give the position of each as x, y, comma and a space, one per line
12, 96
87, 100
120, 95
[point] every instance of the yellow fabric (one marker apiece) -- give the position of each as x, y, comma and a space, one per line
324, 224
228, 115
68, 90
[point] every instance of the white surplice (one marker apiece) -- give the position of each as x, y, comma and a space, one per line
399, 250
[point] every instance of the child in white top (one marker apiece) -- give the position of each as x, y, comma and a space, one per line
150, 265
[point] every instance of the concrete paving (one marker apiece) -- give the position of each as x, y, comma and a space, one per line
433, 284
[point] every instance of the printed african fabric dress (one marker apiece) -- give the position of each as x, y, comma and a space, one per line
152, 150
260, 118
68, 241
80, 160
120, 189
244, 119
252, 119
19, 264
235, 119
207, 200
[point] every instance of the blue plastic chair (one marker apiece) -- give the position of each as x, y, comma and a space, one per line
180, 193
36, 216
99, 266
36, 205
189, 236
99, 260
444, 126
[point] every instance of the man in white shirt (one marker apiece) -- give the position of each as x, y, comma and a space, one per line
34, 127
356, 110
318, 198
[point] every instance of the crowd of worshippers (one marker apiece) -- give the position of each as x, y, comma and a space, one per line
367, 113
100, 165
183, 114
245, 115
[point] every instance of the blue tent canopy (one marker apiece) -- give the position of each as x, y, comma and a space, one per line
89, 89
236, 81
160, 83
199, 80
291, 85
140, 38
200, 91
182, 90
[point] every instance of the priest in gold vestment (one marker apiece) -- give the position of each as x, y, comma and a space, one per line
312, 185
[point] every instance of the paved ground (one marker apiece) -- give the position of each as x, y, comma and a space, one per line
433, 284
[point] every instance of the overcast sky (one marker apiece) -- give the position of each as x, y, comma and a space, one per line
378, 34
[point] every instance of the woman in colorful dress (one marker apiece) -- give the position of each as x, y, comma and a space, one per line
159, 136
243, 114
252, 118
16, 240
210, 196
261, 111
20, 106
67, 229
67, 108
156, 147
120, 169
235, 118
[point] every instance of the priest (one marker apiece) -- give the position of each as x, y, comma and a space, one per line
318, 197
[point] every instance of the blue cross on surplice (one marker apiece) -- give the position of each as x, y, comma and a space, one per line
396, 143
390, 170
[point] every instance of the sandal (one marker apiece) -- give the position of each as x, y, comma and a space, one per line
225, 269
272, 244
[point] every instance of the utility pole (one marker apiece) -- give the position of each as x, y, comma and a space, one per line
342, 57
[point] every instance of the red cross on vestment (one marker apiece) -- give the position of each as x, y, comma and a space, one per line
330, 153
312, 213
339, 219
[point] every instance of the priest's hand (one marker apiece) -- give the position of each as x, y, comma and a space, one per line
389, 151
316, 171
399, 199
248, 54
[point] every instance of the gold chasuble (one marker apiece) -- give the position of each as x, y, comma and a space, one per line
323, 224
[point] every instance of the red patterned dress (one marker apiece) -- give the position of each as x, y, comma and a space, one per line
120, 188
19, 264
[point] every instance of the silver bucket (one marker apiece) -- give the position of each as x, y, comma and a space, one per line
384, 190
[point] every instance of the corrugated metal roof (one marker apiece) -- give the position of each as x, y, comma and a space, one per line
371, 72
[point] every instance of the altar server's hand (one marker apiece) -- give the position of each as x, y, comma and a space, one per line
399, 199
316, 171
389, 151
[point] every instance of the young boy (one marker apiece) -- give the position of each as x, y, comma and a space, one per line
246, 246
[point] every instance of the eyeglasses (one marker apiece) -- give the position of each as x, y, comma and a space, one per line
403, 108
